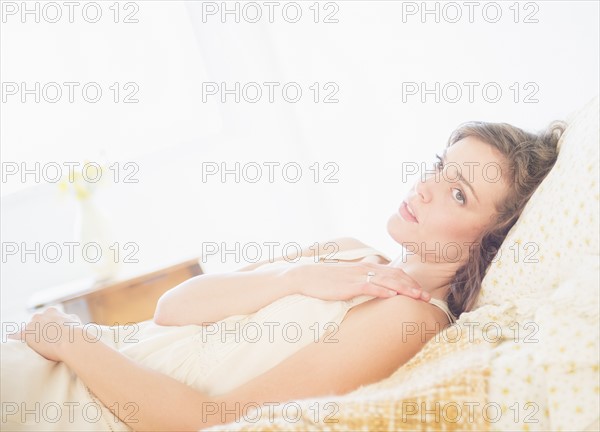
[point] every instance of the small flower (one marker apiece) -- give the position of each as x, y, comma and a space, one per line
78, 184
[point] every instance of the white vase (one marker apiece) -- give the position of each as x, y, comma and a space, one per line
93, 233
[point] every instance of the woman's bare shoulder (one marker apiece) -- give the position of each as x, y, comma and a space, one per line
417, 312
375, 259
327, 249
350, 243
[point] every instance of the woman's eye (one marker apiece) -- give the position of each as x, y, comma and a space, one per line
459, 196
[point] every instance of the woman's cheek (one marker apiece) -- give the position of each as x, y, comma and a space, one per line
470, 229
455, 228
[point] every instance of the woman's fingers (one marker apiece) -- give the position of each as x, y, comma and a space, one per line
381, 291
407, 288
396, 273
397, 281
15, 336
377, 290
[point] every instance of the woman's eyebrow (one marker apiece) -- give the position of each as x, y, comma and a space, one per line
461, 178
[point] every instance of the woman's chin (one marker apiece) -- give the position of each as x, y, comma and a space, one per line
396, 229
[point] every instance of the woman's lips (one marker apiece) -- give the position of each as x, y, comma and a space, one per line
406, 214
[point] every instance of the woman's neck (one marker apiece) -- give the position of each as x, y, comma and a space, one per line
434, 277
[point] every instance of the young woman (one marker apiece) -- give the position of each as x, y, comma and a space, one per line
281, 331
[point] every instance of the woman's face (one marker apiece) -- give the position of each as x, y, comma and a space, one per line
451, 211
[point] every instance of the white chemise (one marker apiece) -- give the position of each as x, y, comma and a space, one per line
39, 394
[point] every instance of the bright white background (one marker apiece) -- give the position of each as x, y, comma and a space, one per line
372, 49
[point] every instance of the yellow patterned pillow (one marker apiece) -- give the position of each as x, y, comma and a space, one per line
545, 371
558, 225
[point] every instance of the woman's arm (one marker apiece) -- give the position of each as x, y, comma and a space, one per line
212, 297
373, 341
209, 298
369, 346
144, 399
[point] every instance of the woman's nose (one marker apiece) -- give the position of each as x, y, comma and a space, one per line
423, 191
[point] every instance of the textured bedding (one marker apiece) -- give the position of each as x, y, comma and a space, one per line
527, 357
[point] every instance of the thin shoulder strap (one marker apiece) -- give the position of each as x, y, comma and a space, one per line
352, 254
443, 306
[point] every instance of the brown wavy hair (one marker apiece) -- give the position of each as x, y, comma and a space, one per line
528, 158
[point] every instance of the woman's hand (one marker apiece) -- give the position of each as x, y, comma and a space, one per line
343, 281
48, 332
